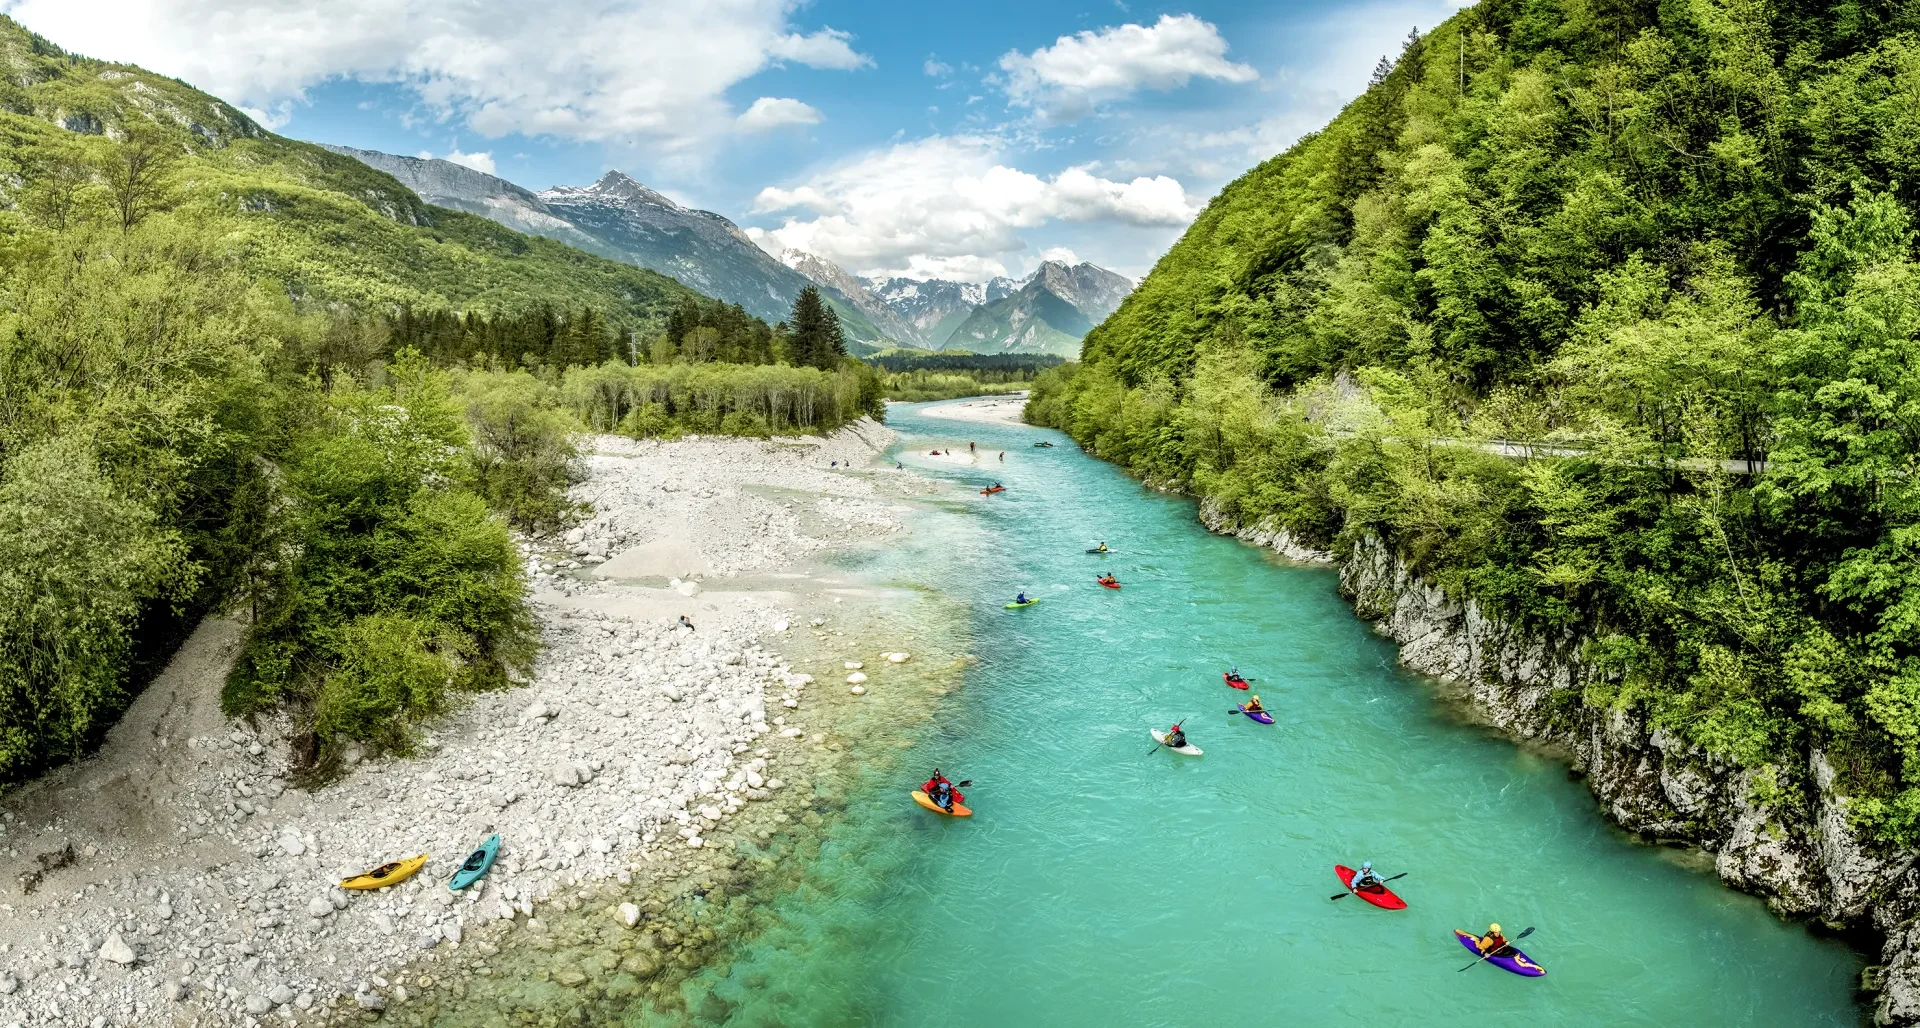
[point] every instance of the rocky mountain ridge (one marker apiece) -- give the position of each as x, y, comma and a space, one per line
625, 220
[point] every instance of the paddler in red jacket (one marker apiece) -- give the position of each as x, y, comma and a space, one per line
1493, 942
942, 791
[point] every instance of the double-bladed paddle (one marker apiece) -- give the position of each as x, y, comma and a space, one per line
1383, 881
1509, 945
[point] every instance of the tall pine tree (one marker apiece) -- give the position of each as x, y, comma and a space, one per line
817, 339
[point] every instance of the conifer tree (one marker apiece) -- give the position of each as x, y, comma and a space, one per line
817, 339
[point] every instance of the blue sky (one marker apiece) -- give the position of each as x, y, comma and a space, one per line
926, 139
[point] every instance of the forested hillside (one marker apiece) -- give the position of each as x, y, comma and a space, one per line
1673, 242
329, 227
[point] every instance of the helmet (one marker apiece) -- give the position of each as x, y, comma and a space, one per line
1256, 697
1366, 865
1493, 929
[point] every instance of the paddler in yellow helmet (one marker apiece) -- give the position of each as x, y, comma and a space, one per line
1253, 705
1493, 942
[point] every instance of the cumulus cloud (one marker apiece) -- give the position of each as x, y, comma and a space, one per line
482, 162
1066, 79
936, 69
771, 112
1061, 254
586, 70
950, 202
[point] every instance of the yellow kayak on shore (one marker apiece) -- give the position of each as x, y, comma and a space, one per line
386, 874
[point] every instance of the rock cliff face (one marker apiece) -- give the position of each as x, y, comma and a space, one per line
1784, 837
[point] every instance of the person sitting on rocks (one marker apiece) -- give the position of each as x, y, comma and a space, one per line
684, 623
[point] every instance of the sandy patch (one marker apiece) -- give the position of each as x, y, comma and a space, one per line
997, 410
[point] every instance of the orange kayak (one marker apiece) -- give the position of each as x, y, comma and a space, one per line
927, 801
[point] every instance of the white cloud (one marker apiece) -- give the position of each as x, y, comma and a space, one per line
828, 48
936, 69
585, 70
1058, 253
481, 162
950, 201
1066, 79
771, 112
272, 118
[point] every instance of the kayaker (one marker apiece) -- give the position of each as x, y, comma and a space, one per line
1109, 580
1103, 547
941, 791
1366, 878
1022, 598
1254, 707
1233, 675
1492, 943
1176, 738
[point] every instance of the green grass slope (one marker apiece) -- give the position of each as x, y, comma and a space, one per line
330, 227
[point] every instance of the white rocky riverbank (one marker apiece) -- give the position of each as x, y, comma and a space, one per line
179, 877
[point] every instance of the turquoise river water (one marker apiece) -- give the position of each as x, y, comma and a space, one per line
1104, 881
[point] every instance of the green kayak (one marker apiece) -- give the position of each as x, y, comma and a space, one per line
1029, 603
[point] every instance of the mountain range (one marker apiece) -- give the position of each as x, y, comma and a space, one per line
621, 219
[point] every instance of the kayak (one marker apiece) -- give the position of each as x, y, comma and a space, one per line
1017, 606
927, 801
1099, 551
1161, 738
1241, 684
1110, 585
477, 864
1378, 895
995, 489
1514, 960
1047, 446
1258, 715
386, 874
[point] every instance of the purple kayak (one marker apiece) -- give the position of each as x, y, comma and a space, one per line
1258, 715
1514, 960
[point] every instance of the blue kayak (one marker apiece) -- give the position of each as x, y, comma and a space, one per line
1258, 715
477, 864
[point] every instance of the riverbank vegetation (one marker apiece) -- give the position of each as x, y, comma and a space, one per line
1672, 245
239, 373
940, 376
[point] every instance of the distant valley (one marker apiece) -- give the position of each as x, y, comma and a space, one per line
1046, 313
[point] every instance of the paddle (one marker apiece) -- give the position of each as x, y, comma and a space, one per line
1383, 881
1243, 710
1157, 745
1509, 945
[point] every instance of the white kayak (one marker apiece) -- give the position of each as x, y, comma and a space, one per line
1161, 738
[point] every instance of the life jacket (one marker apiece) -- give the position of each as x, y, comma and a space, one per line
1492, 943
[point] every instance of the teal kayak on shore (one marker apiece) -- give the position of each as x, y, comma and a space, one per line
477, 865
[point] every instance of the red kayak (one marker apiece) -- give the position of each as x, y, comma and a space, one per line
1378, 895
1241, 684
1110, 585
995, 489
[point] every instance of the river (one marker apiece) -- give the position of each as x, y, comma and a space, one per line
1105, 881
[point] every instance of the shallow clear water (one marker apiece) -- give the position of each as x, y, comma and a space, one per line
1104, 881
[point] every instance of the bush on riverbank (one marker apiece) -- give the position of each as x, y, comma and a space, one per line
391, 587
1722, 366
